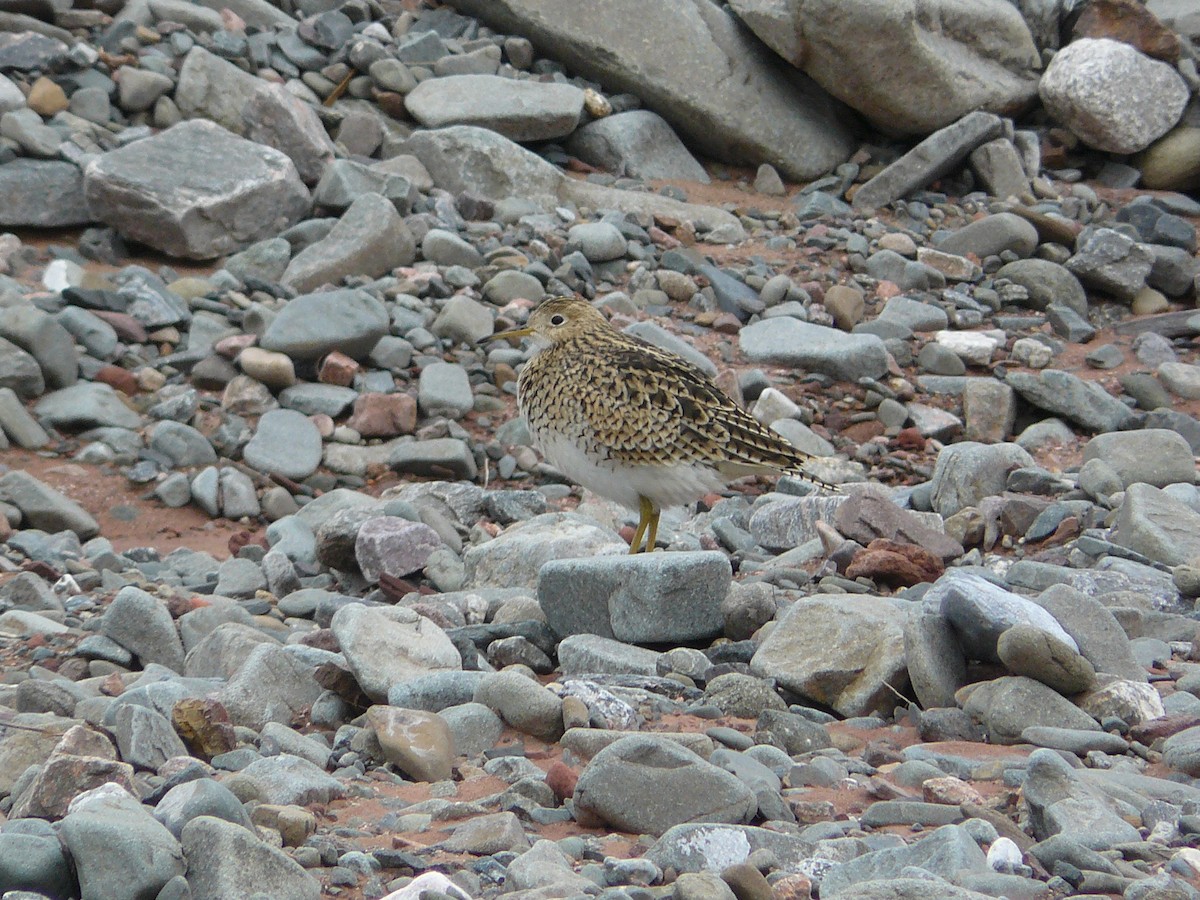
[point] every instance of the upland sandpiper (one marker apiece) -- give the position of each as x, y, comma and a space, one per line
633, 422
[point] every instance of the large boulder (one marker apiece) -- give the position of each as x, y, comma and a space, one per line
723, 90
196, 191
910, 67
519, 110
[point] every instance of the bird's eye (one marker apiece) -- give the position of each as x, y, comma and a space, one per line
557, 320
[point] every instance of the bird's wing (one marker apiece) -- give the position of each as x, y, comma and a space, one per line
667, 410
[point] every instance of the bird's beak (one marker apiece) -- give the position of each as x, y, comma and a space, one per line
506, 335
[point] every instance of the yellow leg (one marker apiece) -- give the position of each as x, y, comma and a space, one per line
645, 513
652, 536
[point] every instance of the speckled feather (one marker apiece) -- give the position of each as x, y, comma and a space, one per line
627, 404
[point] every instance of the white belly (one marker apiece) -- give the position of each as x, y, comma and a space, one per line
661, 485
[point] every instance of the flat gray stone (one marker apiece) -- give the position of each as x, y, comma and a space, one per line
434, 457
519, 110
649, 598
196, 190
948, 852
386, 650
313, 325
1008, 705
1155, 524
45, 339
814, 348
991, 236
20, 372
1061, 803
1047, 282
515, 556
1153, 456
286, 443
182, 444
444, 388
1085, 403
203, 797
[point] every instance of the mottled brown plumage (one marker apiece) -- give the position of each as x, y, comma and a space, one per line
633, 422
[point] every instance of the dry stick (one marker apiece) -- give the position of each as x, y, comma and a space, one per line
339, 89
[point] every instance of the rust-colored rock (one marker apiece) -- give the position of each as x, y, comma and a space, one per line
561, 779
897, 565
65, 777
119, 379
1129, 22
416, 742
128, 329
871, 514
204, 726
338, 368
384, 415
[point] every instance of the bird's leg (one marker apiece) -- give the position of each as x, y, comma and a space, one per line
645, 514
652, 534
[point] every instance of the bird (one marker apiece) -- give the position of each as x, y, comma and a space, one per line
633, 422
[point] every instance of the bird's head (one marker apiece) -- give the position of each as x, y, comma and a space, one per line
556, 321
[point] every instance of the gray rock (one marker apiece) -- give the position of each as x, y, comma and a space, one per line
385, 650
463, 320
265, 260
1158, 526
369, 239
937, 155
590, 653
27, 591
1180, 379
138, 89
240, 579
1181, 751
313, 325
203, 797
614, 784
145, 738
1083, 402
285, 443
814, 348
1028, 650
837, 651
967, 472
547, 871
1047, 282
227, 860
43, 507
980, 612
638, 143
434, 457
436, 691
598, 241
522, 703
515, 556
475, 728
32, 859
43, 338
936, 666
224, 650
506, 286
462, 158
345, 180
1060, 803
997, 164
213, 88
446, 248
948, 852
182, 444
723, 92
273, 685
25, 128
939, 73
91, 332
1174, 270
991, 236
444, 387
42, 194
791, 521
1095, 630
311, 399
914, 314
118, 848
649, 598
1107, 260
140, 623
196, 191
20, 372
519, 110
1152, 455
1008, 705
287, 779
393, 546
696, 847
1080, 743
1113, 97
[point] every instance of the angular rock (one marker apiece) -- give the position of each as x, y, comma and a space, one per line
227, 860
967, 472
723, 91
196, 191
814, 348
1155, 524
272, 685
638, 143
1083, 402
910, 68
384, 650
393, 546
837, 651
42, 193
369, 239
1007, 706
43, 507
313, 325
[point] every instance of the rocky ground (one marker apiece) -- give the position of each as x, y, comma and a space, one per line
290, 607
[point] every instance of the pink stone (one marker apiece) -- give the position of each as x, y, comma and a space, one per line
390, 545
